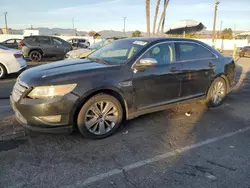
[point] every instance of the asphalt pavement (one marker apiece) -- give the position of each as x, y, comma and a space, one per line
163, 149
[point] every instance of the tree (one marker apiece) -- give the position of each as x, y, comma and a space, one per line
137, 33
148, 16
227, 33
162, 19
156, 15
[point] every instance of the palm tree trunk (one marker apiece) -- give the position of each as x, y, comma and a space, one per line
162, 20
148, 16
156, 14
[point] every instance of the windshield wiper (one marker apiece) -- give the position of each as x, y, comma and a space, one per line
97, 60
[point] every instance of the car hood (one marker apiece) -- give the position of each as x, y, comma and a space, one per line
79, 51
62, 71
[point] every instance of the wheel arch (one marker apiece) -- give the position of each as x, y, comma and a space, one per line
36, 49
115, 92
6, 67
224, 77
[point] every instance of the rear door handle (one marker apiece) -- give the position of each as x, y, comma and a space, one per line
174, 69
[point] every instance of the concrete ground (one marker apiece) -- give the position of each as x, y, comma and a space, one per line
163, 149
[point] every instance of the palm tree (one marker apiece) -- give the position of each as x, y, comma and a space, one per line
148, 16
162, 19
156, 14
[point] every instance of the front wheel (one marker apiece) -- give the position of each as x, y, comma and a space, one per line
3, 71
216, 93
100, 116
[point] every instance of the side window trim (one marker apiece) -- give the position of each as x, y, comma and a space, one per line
159, 43
177, 51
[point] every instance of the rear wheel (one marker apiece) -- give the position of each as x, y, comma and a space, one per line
35, 56
216, 93
3, 71
100, 116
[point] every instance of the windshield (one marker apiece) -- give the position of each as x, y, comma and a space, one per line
118, 51
3, 48
96, 45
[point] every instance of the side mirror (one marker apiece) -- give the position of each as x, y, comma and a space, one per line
146, 62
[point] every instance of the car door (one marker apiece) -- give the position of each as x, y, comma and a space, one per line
44, 43
60, 47
160, 84
198, 64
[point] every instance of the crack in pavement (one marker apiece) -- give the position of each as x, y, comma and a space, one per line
124, 172
220, 165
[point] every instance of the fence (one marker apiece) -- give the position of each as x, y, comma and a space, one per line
219, 43
90, 39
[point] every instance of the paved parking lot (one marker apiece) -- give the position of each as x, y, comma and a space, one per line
164, 149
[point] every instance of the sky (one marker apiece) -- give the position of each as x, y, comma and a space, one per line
108, 14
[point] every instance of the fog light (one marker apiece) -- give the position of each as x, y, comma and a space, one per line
50, 119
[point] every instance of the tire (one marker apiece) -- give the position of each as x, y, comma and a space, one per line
212, 93
3, 71
94, 123
35, 56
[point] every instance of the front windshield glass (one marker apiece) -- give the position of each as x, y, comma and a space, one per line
118, 51
96, 45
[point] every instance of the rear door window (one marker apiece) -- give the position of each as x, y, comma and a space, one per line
43, 40
192, 51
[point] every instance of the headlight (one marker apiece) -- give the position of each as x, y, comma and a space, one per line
51, 91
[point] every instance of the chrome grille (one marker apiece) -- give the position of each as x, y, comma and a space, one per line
18, 91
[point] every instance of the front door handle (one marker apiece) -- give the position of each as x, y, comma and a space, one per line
174, 69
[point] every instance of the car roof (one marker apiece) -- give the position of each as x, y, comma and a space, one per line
171, 39
159, 39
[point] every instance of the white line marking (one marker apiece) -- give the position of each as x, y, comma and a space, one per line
5, 106
127, 168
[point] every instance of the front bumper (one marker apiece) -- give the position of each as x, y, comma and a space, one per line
28, 112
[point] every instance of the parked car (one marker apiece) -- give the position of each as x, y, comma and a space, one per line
244, 51
37, 47
11, 61
11, 43
82, 53
122, 80
79, 43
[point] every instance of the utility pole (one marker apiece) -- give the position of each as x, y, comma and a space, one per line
6, 24
221, 23
124, 25
215, 16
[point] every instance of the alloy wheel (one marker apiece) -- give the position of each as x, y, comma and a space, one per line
1, 71
101, 117
218, 92
35, 56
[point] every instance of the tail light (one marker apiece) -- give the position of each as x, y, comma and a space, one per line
18, 55
21, 43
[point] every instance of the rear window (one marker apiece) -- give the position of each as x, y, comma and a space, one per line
192, 51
